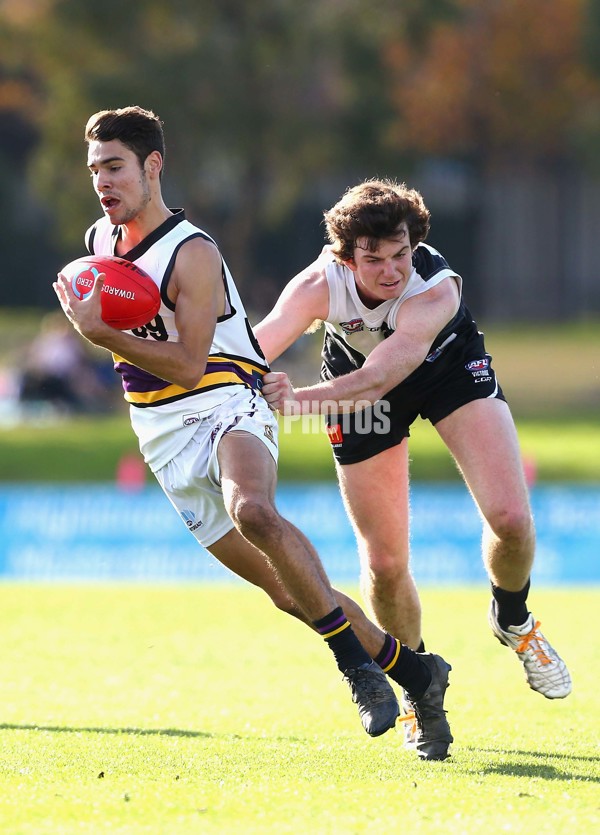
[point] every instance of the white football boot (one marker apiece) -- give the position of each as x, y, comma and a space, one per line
545, 670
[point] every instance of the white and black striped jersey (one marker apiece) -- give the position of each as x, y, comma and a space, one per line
353, 330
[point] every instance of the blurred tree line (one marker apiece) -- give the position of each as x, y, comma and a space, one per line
273, 107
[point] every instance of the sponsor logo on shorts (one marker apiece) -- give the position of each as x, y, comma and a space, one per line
189, 517
188, 420
215, 432
353, 326
335, 434
269, 433
480, 369
478, 365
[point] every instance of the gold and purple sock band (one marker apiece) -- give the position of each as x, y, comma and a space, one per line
389, 653
337, 631
332, 624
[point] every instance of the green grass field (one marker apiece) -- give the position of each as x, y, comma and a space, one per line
177, 710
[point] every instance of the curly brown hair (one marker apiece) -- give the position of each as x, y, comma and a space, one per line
374, 210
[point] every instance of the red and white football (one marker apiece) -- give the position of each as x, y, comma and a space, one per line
129, 299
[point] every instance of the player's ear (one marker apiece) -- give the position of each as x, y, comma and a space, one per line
350, 263
154, 163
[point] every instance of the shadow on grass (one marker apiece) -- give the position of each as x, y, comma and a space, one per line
513, 763
543, 770
134, 731
180, 732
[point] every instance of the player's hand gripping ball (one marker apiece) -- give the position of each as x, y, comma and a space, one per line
129, 298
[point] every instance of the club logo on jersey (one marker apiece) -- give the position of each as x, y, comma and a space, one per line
353, 326
335, 435
189, 517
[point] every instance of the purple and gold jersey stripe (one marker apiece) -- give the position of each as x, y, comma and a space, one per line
144, 389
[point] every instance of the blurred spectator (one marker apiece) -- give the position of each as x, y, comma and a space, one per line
57, 370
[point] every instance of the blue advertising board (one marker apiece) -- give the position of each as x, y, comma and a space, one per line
100, 532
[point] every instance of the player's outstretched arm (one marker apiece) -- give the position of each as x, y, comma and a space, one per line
420, 319
304, 300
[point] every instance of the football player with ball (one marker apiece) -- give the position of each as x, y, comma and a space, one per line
192, 375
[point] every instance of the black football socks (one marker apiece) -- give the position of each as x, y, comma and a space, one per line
338, 633
510, 606
403, 665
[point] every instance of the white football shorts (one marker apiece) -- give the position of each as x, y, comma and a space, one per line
192, 480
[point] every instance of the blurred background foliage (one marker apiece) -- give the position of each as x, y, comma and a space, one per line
272, 108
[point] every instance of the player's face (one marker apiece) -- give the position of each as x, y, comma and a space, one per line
384, 273
119, 181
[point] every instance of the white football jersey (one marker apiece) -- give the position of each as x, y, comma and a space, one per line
362, 328
164, 415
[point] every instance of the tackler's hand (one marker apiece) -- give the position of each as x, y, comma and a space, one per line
279, 393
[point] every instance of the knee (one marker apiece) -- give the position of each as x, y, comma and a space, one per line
512, 523
386, 568
255, 518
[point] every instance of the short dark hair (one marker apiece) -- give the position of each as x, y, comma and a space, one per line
139, 130
374, 210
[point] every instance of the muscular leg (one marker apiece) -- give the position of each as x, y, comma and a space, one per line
241, 557
248, 479
375, 494
265, 548
483, 440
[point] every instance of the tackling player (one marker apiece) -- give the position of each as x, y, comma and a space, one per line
399, 342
